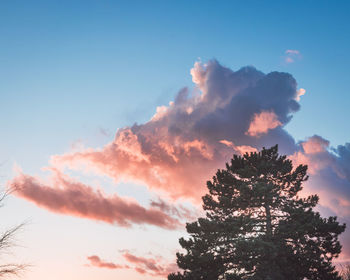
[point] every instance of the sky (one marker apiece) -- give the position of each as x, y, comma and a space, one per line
109, 108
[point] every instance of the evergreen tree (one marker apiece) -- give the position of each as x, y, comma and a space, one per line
257, 228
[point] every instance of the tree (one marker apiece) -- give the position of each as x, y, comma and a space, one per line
6, 242
345, 272
256, 227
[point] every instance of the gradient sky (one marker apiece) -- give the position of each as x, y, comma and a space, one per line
73, 72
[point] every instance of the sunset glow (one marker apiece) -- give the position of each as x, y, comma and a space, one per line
115, 115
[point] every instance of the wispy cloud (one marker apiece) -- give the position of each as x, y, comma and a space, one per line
292, 56
153, 266
292, 52
97, 262
64, 195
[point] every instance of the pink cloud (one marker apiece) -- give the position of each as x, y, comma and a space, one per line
300, 93
329, 178
328, 166
292, 52
289, 59
166, 164
177, 210
243, 149
97, 262
292, 55
151, 266
63, 195
314, 154
239, 149
315, 145
198, 73
262, 123
181, 147
175, 152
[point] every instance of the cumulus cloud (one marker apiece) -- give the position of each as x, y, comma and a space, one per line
329, 171
186, 141
182, 144
198, 73
65, 196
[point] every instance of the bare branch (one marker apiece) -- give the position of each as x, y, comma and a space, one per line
7, 242
11, 269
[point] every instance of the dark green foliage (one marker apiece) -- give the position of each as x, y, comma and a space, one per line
257, 228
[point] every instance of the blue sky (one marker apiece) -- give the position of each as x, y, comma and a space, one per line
75, 71
96, 63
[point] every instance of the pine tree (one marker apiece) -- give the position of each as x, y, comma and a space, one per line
256, 227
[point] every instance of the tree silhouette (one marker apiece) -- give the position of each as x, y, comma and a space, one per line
256, 226
6, 242
345, 272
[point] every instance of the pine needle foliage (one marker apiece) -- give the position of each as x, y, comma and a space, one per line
258, 228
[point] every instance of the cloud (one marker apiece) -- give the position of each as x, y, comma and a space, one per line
198, 73
262, 123
292, 56
154, 266
104, 132
176, 210
329, 171
243, 149
151, 266
296, 52
174, 152
300, 93
63, 195
289, 59
97, 262
186, 141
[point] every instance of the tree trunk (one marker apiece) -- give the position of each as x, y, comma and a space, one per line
268, 221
